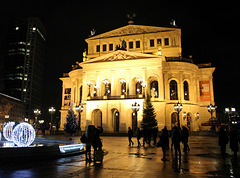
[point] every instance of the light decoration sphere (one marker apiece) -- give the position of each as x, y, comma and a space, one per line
7, 131
23, 135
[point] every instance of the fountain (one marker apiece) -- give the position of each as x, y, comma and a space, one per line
20, 142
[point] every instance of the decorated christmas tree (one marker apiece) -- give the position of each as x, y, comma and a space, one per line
71, 125
149, 114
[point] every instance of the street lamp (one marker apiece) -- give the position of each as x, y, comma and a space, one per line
211, 109
36, 112
51, 110
135, 107
89, 83
178, 108
79, 109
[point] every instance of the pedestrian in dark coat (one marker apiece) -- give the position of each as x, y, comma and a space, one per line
176, 138
234, 141
164, 142
130, 135
185, 135
139, 135
223, 140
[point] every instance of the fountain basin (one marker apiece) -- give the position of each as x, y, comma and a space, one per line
40, 149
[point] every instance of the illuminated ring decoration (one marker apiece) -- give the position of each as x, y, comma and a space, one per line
7, 131
23, 135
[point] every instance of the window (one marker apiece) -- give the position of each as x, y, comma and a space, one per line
186, 90
104, 47
159, 42
110, 47
130, 45
138, 88
152, 43
166, 41
123, 88
98, 48
137, 44
173, 90
154, 89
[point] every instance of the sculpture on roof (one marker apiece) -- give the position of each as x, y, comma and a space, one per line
123, 47
159, 48
85, 55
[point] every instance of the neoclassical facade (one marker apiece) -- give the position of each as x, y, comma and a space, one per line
109, 82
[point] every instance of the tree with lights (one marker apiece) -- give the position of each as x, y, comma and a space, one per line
149, 115
71, 125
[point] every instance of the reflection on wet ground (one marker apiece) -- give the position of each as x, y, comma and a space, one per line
203, 160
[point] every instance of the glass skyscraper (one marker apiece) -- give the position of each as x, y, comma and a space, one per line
24, 62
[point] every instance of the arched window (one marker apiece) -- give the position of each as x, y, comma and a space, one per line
138, 88
123, 86
154, 89
107, 87
186, 90
173, 90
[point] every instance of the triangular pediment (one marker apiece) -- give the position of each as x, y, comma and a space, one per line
131, 30
119, 55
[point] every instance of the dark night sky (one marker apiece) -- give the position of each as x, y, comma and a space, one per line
209, 34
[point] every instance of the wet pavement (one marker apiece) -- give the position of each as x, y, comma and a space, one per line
203, 160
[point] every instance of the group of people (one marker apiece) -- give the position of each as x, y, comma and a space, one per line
147, 134
176, 134
224, 139
92, 139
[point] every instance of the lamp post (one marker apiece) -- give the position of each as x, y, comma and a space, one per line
211, 110
51, 110
89, 83
178, 108
79, 109
135, 107
36, 112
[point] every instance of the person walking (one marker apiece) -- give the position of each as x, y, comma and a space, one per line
176, 138
130, 135
139, 135
185, 135
223, 140
234, 141
164, 142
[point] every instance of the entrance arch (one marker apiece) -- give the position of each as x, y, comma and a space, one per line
174, 119
97, 118
115, 120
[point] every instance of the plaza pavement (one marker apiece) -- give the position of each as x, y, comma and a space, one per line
203, 160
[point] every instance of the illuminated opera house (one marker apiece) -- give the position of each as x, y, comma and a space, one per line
122, 66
